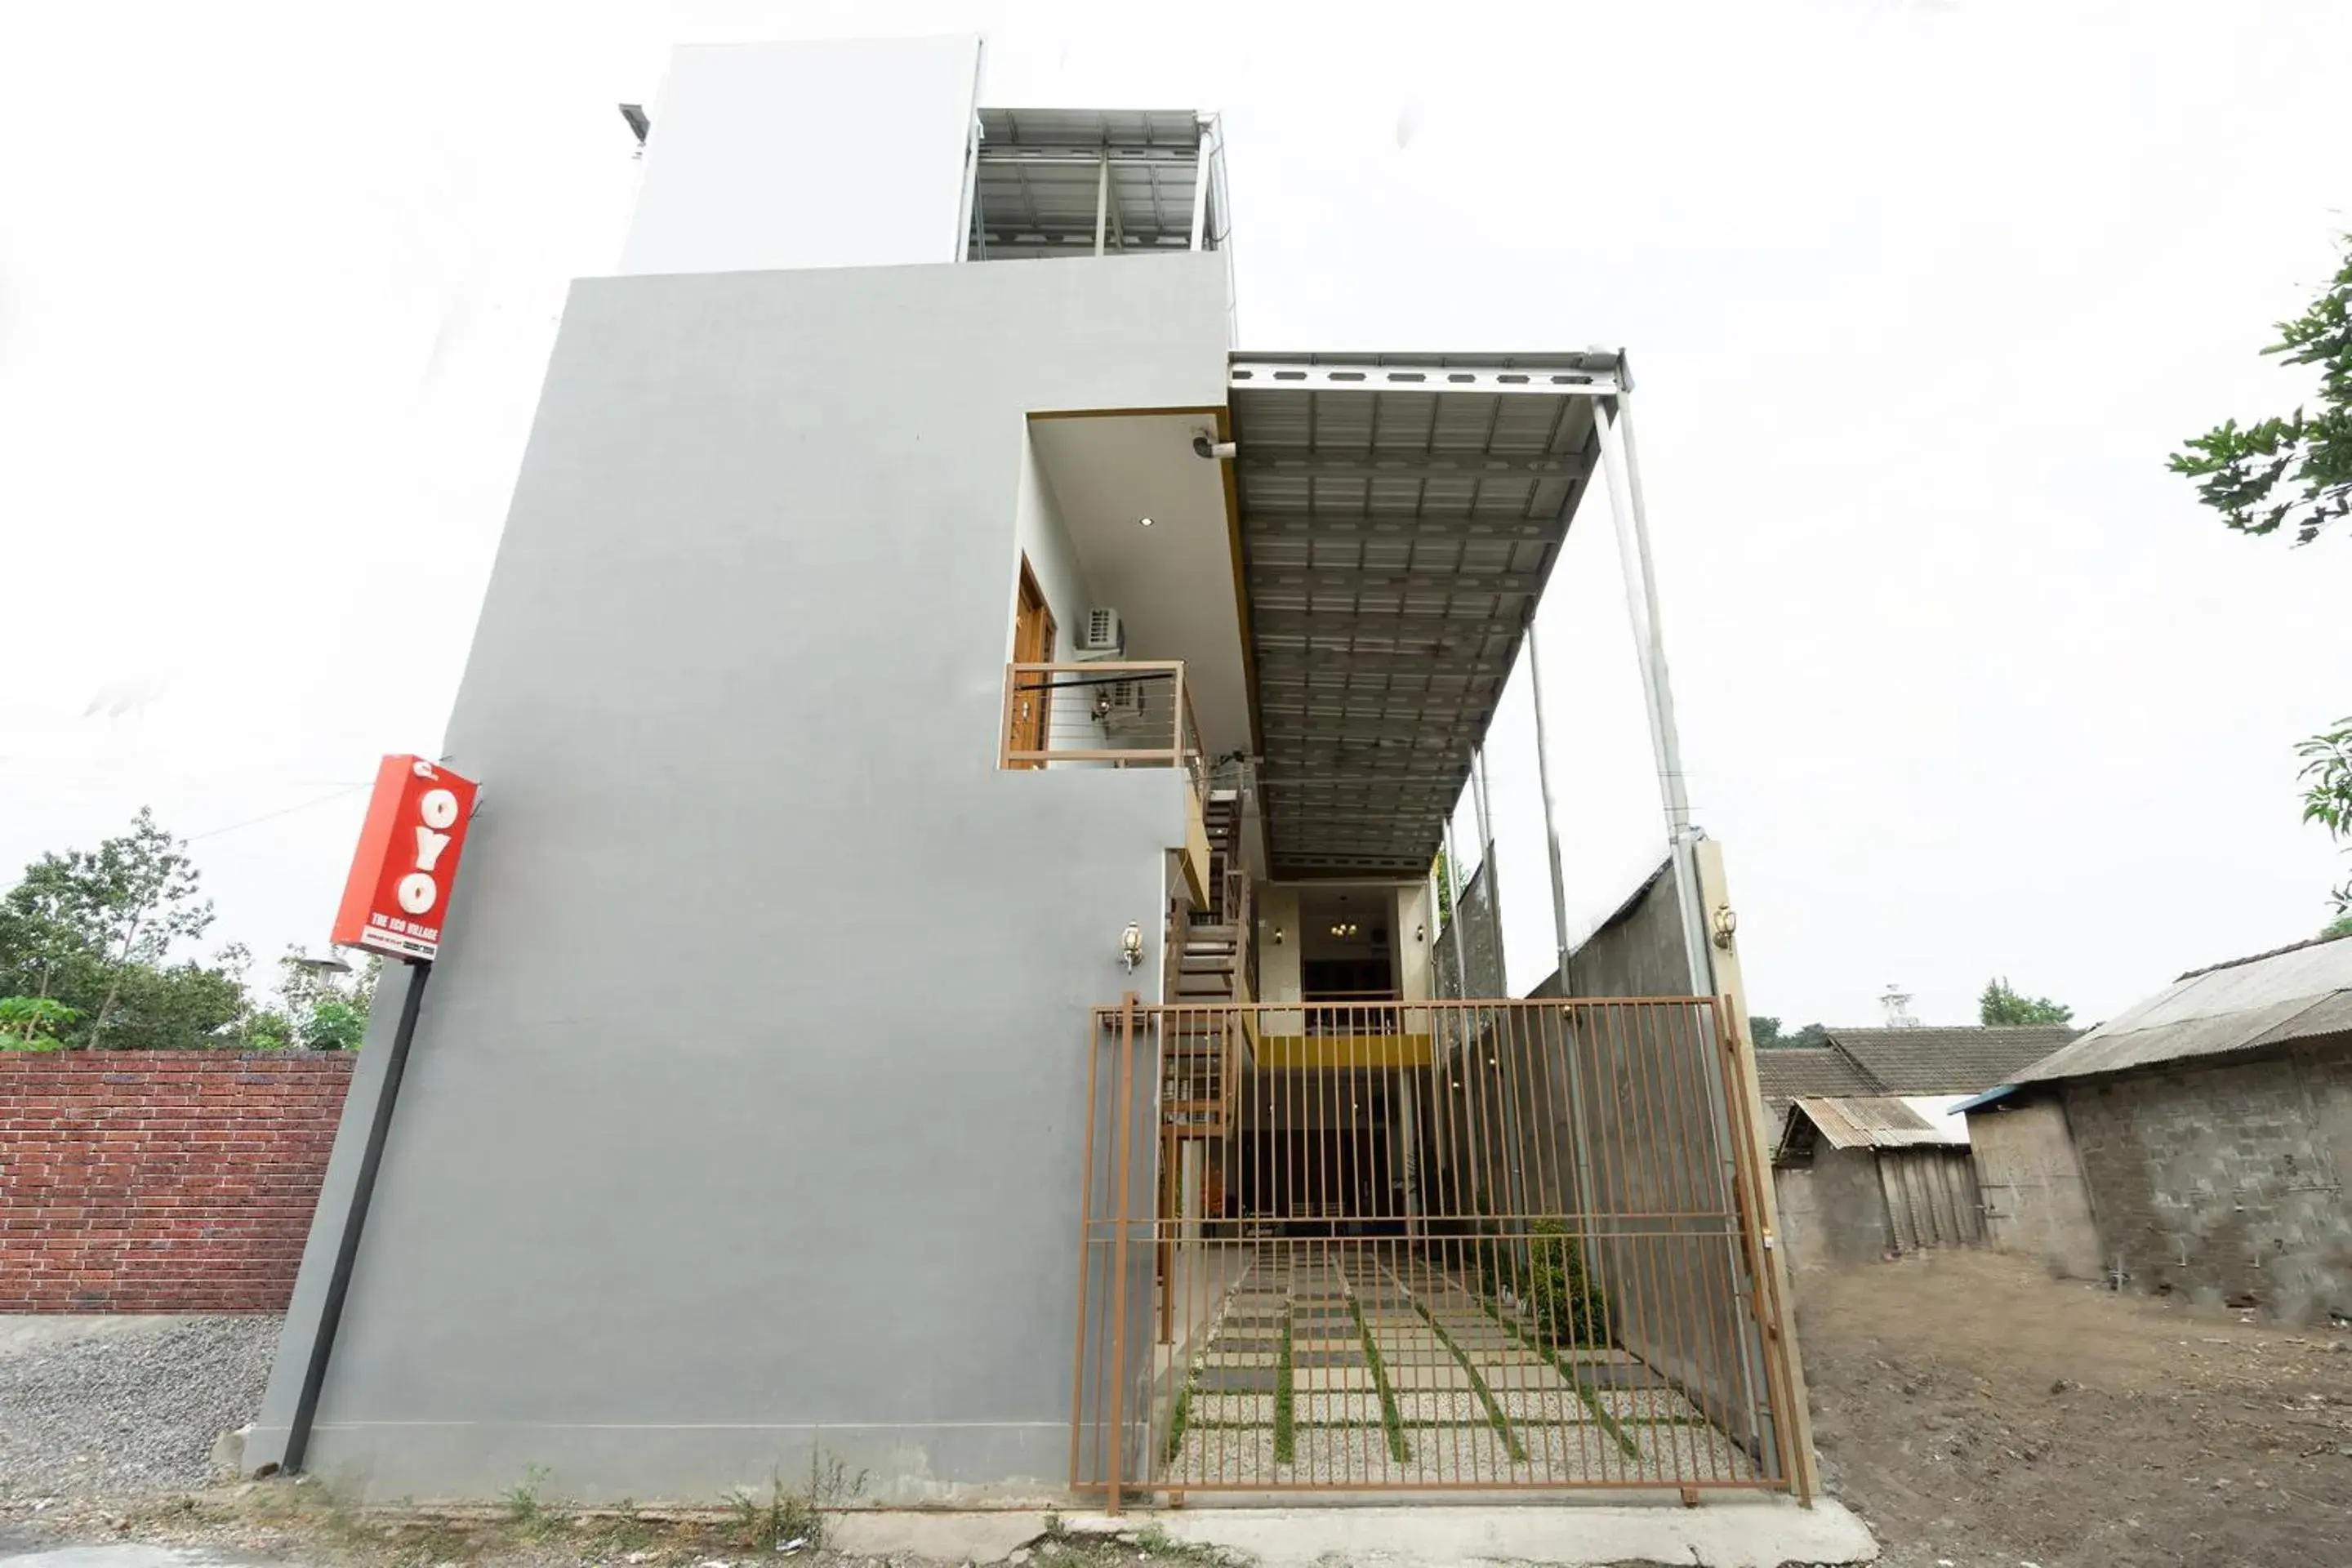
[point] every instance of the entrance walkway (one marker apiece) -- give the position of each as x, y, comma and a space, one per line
1353, 1362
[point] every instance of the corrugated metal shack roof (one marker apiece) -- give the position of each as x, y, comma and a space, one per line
2298, 992
1864, 1123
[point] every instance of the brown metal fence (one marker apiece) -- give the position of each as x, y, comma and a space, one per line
1463, 1245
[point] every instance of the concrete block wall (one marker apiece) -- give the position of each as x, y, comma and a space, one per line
2226, 1181
160, 1182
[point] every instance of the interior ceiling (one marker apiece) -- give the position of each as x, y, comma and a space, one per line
1400, 516
1173, 584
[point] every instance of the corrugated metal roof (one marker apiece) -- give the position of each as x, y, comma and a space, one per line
1875, 1123
1040, 173
1400, 516
2298, 993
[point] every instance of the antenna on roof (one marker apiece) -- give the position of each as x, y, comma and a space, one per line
1897, 1003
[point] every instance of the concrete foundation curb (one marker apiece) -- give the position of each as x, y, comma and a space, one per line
1760, 1533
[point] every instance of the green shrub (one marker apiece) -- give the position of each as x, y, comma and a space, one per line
1568, 1306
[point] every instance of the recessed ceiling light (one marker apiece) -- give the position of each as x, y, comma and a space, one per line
1144, 521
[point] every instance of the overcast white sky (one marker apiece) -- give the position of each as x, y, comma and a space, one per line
1919, 296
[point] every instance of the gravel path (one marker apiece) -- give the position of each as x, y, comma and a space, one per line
123, 1410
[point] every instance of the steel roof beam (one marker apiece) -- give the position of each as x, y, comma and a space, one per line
1416, 465
1247, 373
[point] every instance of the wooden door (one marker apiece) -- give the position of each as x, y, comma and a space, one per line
1033, 643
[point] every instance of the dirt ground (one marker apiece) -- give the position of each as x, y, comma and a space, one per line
1976, 1412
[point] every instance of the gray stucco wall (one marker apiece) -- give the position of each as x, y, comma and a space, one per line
1832, 1209
2035, 1203
745, 1111
2226, 1182
1657, 1135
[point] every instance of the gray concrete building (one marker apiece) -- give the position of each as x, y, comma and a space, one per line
945, 986
2196, 1142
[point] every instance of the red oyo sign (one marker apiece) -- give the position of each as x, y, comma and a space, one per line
407, 859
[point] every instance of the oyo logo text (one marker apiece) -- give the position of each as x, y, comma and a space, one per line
438, 809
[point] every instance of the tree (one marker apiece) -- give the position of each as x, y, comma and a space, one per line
2296, 470
2327, 794
324, 1011
2001, 1005
2340, 926
92, 929
126, 903
1768, 1034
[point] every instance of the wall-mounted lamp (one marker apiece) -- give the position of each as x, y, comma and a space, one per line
1726, 926
1143, 523
1421, 934
1277, 936
1130, 946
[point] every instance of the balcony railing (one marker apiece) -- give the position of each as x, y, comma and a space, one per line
1128, 714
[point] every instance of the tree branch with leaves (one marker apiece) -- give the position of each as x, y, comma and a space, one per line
2294, 472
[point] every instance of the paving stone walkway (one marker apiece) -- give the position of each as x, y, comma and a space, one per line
1357, 1363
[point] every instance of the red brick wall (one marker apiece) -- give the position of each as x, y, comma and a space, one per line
160, 1182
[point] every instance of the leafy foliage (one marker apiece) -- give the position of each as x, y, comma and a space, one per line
2000, 1005
2340, 926
2296, 470
1551, 1279
34, 1022
2292, 470
2327, 794
1766, 1031
89, 936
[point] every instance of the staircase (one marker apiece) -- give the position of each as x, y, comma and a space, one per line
1213, 970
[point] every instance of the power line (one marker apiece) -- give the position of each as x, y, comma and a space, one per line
282, 811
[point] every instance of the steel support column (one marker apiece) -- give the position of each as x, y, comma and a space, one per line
1634, 558
1575, 1074
1642, 606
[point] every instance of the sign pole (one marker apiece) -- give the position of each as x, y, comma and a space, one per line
331, 1314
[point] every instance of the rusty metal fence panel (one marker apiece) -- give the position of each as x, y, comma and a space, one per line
1447, 1245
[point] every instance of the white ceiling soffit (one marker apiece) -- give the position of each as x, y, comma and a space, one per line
1400, 514
1172, 582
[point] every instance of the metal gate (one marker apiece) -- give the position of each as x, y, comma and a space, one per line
1463, 1245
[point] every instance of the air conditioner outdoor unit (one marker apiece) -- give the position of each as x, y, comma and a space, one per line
1102, 636
1119, 705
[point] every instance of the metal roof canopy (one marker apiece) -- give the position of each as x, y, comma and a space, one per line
1400, 516
1048, 182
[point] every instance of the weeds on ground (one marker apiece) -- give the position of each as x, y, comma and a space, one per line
1179, 1416
1153, 1540
524, 1509
792, 1514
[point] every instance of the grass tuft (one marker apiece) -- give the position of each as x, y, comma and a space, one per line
1495, 1416
1391, 1419
1286, 1431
